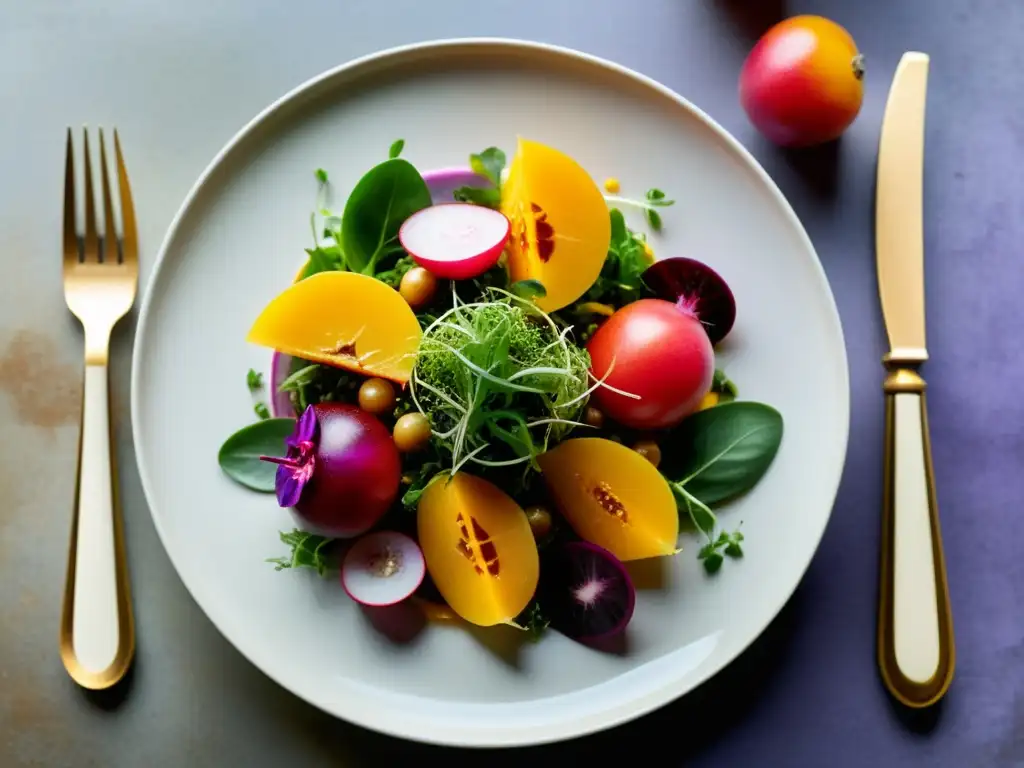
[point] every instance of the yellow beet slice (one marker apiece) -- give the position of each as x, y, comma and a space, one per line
561, 229
479, 549
613, 497
343, 319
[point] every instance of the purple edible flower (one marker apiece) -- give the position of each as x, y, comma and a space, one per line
296, 468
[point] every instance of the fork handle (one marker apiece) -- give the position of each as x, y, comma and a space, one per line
101, 632
915, 643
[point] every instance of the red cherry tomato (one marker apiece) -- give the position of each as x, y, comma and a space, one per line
658, 351
802, 84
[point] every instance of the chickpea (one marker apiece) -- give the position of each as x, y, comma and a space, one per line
411, 432
418, 287
376, 396
649, 450
540, 521
592, 417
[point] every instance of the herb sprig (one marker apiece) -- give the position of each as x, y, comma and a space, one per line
308, 550
653, 200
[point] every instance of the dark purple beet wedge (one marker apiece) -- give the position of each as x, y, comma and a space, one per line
696, 286
585, 591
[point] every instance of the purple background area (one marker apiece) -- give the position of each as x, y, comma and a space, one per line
807, 693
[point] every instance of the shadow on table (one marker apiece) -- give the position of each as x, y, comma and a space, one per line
920, 721
112, 698
752, 18
818, 167
706, 715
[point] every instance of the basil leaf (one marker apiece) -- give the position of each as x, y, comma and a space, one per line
721, 452
239, 456
384, 198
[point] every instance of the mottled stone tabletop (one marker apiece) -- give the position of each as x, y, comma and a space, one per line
180, 78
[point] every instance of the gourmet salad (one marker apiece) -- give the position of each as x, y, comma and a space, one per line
487, 397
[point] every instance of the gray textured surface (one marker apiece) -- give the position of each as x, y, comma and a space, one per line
179, 79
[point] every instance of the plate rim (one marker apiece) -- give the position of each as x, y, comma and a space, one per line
383, 59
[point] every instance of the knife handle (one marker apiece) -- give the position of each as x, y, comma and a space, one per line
916, 652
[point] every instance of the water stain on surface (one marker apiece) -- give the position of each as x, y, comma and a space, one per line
43, 391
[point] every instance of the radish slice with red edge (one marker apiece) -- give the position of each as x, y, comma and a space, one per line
382, 568
455, 241
697, 287
442, 183
585, 591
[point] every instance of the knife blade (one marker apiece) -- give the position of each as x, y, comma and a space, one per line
899, 211
915, 632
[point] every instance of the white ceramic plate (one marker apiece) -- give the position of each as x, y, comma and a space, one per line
236, 243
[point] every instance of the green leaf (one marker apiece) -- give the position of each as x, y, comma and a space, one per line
532, 621
489, 197
384, 198
396, 149
308, 551
323, 259
620, 233
426, 475
529, 289
703, 518
722, 452
724, 386
655, 194
262, 411
299, 379
489, 163
239, 456
321, 175
254, 380
713, 562
654, 219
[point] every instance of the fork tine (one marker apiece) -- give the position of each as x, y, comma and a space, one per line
92, 246
109, 253
130, 242
71, 254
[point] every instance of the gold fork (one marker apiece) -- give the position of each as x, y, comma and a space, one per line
97, 633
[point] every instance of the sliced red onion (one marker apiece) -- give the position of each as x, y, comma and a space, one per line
697, 287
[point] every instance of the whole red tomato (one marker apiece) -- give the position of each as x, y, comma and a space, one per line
802, 84
657, 351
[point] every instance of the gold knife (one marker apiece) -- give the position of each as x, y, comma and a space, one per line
915, 627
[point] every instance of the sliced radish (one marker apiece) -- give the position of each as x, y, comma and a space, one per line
442, 183
455, 241
382, 568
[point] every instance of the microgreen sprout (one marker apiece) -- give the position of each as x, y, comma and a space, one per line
653, 200
498, 380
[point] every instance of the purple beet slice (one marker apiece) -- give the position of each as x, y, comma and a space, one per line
698, 287
585, 591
